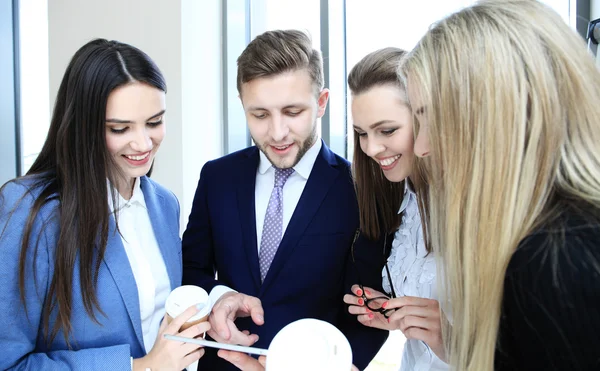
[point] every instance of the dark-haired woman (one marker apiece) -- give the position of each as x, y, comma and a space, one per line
89, 245
383, 169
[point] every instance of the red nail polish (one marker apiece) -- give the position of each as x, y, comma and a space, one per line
360, 302
388, 320
367, 291
384, 304
370, 315
359, 292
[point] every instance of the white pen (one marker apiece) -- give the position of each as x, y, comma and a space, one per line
214, 344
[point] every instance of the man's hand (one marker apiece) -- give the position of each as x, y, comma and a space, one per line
226, 310
246, 363
243, 361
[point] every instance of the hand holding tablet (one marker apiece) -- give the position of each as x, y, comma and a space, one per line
304, 344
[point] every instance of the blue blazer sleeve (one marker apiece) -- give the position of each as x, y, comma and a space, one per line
197, 242
21, 339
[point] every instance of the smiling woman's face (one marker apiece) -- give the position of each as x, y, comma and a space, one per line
134, 128
383, 122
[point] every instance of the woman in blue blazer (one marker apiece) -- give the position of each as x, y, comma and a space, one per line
89, 245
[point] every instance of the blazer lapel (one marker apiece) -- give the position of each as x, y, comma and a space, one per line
117, 262
319, 182
246, 203
160, 226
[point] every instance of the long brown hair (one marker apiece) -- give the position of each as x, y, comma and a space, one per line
73, 168
378, 199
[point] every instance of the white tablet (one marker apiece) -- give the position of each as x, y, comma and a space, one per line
214, 344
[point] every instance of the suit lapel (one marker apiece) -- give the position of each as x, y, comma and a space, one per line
319, 182
117, 262
154, 204
246, 185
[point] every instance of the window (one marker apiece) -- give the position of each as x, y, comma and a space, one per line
34, 79
243, 21
9, 142
304, 15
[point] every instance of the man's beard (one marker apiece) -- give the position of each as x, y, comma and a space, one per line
303, 148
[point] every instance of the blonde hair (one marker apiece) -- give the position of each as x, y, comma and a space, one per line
512, 98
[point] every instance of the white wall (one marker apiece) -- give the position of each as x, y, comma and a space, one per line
183, 38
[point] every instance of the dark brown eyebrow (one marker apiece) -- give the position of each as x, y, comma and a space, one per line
118, 121
294, 105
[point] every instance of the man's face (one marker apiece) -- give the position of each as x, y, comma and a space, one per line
282, 112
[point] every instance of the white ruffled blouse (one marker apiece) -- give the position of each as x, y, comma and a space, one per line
413, 273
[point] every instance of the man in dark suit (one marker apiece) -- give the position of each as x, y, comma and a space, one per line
276, 221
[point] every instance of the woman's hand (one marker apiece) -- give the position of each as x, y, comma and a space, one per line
364, 315
174, 355
419, 319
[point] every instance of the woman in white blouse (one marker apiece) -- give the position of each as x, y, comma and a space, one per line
383, 166
90, 245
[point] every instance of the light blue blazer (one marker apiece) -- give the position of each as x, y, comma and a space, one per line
107, 345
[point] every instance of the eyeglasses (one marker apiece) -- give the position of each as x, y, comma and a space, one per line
374, 304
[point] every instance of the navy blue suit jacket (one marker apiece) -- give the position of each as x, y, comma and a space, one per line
311, 270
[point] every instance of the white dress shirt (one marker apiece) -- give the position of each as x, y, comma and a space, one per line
145, 259
413, 274
292, 190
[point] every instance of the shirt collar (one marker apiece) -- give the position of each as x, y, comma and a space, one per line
303, 167
137, 197
409, 193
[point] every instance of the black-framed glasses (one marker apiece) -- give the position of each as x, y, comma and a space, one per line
374, 304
